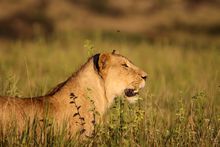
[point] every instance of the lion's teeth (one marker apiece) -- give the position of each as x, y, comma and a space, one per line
135, 91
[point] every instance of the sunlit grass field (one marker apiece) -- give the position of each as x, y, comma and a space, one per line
180, 106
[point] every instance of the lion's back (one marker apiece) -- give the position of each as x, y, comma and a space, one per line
3, 101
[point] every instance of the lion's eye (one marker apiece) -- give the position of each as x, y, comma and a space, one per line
125, 65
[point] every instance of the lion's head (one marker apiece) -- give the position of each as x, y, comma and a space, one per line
121, 77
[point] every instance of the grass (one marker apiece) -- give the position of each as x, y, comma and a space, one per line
179, 107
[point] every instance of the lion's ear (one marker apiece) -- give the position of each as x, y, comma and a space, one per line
104, 63
104, 60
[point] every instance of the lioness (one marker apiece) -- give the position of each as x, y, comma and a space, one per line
77, 100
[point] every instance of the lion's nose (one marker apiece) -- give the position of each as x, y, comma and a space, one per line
144, 77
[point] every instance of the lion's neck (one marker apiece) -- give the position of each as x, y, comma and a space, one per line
85, 84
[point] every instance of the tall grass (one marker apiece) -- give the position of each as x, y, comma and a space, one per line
180, 105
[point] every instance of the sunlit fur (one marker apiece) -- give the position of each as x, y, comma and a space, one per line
88, 83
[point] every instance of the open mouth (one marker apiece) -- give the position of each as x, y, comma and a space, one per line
131, 92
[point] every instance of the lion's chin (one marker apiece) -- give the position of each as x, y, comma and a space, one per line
133, 99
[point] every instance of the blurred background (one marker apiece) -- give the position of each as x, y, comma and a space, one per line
177, 21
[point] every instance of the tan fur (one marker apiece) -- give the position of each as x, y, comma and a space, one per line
89, 83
